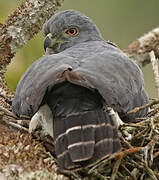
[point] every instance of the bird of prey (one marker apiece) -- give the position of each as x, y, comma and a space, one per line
78, 78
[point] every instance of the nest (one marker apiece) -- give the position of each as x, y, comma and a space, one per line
138, 159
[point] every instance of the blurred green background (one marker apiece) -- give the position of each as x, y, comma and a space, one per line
120, 21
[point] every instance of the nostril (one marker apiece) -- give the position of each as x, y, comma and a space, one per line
70, 68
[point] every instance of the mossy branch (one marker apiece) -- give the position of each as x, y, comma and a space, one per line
20, 26
139, 49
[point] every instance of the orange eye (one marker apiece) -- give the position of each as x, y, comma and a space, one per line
71, 31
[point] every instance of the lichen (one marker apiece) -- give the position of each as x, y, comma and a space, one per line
41, 174
19, 28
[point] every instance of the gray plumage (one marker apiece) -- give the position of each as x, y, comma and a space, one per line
81, 74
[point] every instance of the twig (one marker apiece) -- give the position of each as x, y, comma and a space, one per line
15, 126
156, 154
115, 168
7, 100
140, 133
17, 121
127, 151
8, 113
150, 172
153, 112
112, 156
152, 125
98, 175
137, 125
155, 70
126, 142
117, 156
127, 170
19, 127
137, 109
142, 176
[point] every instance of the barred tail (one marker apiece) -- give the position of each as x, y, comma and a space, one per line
84, 138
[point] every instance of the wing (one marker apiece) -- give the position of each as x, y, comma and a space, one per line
117, 78
34, 83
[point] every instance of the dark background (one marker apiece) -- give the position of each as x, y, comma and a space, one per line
120, 21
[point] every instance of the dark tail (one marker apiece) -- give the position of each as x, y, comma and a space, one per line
83, 138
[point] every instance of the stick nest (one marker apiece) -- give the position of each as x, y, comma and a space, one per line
138, 159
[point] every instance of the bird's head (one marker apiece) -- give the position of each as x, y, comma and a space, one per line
68, 28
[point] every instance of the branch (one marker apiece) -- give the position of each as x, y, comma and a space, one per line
155, 70
137, 109
23, 24
7, 112
7, 100
140, 48
19, 28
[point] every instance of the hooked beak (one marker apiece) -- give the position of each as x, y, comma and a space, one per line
49, 42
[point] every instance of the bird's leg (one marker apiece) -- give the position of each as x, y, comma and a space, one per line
114, 115
42, 118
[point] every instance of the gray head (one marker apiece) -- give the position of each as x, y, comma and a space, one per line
68, 28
